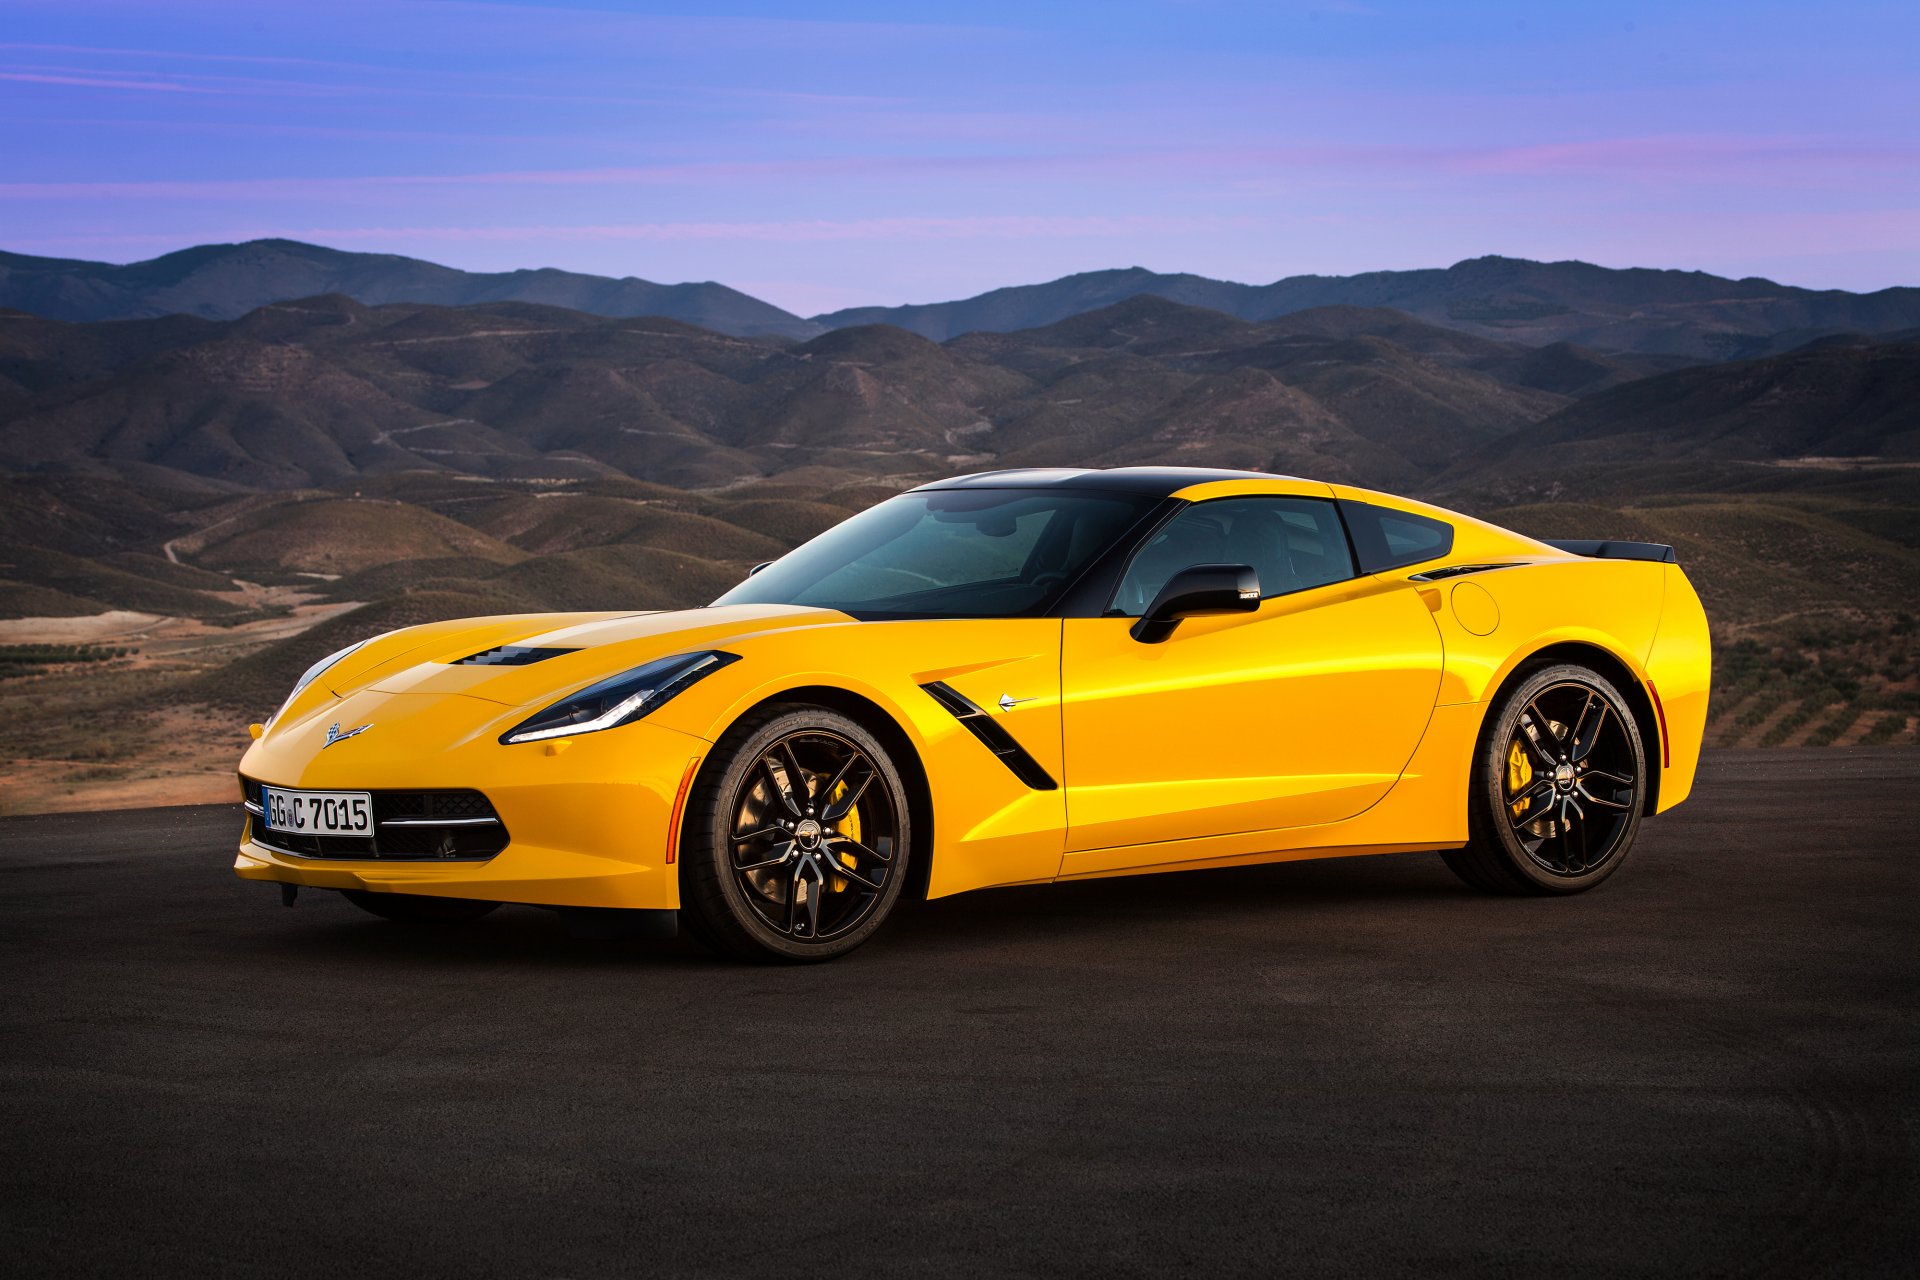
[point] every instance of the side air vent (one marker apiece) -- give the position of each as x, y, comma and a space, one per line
1454, 571
510, 655
984, 727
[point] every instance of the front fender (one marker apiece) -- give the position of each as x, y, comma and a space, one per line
989, 827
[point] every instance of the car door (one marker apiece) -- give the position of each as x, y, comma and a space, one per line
1304, 711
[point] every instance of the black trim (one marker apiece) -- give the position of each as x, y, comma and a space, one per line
976, 721
509, 655
409, 826
1608, 549
1456, 571
1157, 481
1090, 593
1371, 554
662, 694
1106, 607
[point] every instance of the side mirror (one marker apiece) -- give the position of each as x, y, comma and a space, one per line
1197, 590
757, 568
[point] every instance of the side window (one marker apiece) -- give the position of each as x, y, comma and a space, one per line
1387, 539
1292, 543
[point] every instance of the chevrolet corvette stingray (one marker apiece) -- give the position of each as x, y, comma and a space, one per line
1005, 679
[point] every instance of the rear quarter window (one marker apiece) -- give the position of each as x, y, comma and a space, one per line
1387, 539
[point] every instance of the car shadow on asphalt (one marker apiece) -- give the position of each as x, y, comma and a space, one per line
1290, 894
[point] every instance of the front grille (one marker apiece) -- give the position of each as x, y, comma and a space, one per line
413, 826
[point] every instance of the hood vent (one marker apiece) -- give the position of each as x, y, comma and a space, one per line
510, 655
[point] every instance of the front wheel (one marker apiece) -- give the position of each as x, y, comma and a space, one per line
1558, 787
796, 838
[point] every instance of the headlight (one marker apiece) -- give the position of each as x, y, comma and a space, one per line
312, 673
619, 699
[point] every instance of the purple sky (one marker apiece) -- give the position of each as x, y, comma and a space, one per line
828, 155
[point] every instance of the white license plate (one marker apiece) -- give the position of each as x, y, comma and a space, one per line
319, 813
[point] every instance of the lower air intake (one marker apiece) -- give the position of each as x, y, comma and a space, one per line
408, 826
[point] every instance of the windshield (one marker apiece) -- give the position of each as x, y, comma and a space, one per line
949, 553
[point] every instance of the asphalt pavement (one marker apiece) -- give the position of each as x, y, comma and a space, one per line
1710, 1065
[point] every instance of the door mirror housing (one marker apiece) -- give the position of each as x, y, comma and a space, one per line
1196, 591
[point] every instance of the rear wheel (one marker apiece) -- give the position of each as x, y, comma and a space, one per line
796, 839
1558, 787
418, 908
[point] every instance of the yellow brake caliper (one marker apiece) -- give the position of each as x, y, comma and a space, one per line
1519, 774
849, 827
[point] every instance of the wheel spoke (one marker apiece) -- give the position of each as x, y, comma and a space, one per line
1532, 796
796, 777
862, 851
844, 805
856, 875
825, 793
1581, 749
1580, 722
785, 851
1618, 779
781, 789
793, 899
1568, 825
1602, 801
1545, 744
813, 905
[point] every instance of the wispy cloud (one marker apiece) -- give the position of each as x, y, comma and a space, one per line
91, 81
1699, 160
274, 87
301, 188
185, 55
797, 231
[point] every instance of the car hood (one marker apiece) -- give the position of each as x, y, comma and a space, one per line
596, 645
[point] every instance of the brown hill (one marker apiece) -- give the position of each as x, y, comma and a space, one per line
326, 390
1830, 416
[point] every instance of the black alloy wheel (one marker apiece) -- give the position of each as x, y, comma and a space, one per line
1559, 786
796, 838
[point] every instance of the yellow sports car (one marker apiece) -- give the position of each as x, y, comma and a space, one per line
1004, 679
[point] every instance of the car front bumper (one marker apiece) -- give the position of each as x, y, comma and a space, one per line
590, 822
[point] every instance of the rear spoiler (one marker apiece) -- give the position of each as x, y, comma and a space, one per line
1606, 549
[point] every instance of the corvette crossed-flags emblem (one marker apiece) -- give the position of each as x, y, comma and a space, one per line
334, 735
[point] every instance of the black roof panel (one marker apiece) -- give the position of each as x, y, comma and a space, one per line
1159, 481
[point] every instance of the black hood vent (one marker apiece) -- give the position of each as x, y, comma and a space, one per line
510, 655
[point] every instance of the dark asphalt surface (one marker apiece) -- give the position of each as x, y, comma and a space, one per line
1710, 1066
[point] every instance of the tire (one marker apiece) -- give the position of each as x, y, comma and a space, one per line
418, 908
776, 872
1558, 786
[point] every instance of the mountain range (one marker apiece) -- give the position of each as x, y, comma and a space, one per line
225, 281
203, 504
320, 391
1676, 313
